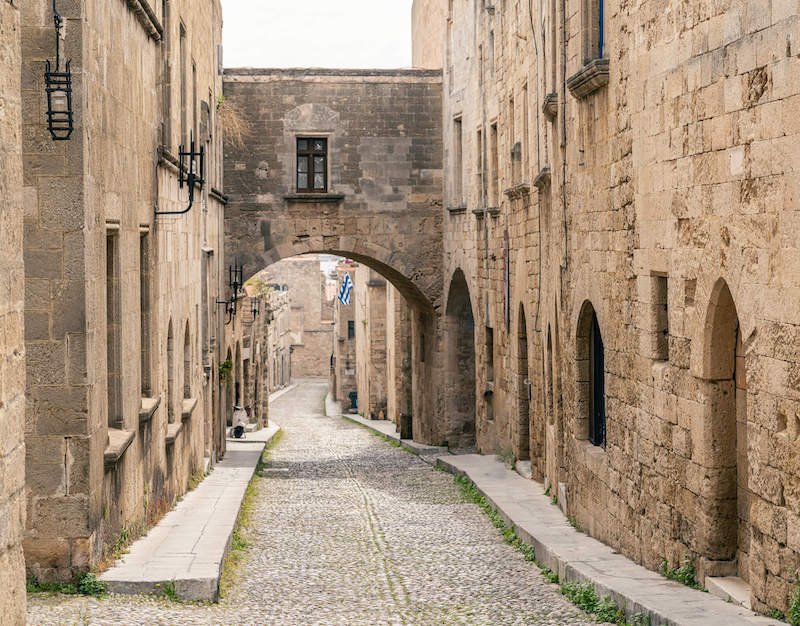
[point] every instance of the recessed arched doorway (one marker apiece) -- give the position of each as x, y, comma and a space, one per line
523, 451
460, 365
723, 525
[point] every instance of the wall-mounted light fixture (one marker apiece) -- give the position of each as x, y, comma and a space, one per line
58, 85
191, 172
235, 278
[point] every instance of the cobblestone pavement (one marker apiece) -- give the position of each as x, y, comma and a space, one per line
347, 529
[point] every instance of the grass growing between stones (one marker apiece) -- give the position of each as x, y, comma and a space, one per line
84, 585
240, 544
582, 595
685, 574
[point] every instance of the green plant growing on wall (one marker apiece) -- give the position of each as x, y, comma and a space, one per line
225, 369
685, 574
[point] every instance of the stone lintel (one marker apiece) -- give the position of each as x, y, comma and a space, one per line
479, 213
589, 79
118, 443
149, 406
189, 405
173, 430
494, 211
457, 210
314, 197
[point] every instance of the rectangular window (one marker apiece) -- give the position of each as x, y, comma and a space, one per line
593, 18
312, 164
494, 165
113, 330
144, 312
525, 131
184, 119
351, 329
195, 130
458, 163
166, 93
479, 169
489, 353
660, 312
491, 55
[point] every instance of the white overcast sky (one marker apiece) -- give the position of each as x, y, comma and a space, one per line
317, 33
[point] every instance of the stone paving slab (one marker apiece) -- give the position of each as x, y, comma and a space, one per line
187, 548
387, 429
578, 557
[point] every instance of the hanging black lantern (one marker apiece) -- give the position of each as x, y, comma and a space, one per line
192, 169
58, 85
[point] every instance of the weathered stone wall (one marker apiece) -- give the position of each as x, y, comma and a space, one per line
311, 332
663, 204
12, 351
382, 207
370, 317
123, 422
428, 18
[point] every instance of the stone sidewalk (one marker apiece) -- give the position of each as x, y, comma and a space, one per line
188, 547
574, 555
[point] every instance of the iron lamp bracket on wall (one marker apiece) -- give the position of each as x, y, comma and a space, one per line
191, 174
58, 86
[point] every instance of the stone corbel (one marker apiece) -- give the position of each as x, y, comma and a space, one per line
148, 409
173, 430
589, 79
550, 106
188, 407
542, 179
118, 442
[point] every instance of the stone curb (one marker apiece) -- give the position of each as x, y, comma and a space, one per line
387, 429
580, 558
186, 550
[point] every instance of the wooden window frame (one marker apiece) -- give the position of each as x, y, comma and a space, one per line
311, 155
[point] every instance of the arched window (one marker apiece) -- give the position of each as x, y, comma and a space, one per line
597, 418
170, 374
591, 396
187, 364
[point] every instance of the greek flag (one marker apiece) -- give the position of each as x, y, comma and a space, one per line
344, 291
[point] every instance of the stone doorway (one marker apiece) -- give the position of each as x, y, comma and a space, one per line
460, 368
724, 530
523, 452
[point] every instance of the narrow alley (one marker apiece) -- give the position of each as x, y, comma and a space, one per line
346, 529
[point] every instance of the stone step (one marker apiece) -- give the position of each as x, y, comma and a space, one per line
729, 588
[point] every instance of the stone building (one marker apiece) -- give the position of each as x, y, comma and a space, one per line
12, 351
121, 323
310, 321
344, 388
620, 258
346, 162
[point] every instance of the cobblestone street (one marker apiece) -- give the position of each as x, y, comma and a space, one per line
347, 529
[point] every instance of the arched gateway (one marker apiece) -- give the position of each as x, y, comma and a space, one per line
346, 162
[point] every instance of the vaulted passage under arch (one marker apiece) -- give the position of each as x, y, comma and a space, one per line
349, 163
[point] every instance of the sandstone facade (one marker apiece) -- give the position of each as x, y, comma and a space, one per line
12, 350
379, 201
121, 317
619, 242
